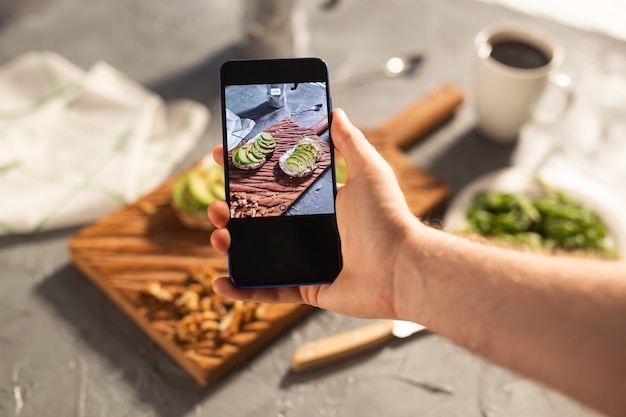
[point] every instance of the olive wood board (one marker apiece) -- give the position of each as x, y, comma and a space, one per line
145, 241
274, 190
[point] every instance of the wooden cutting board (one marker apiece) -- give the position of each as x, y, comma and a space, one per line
423, 191
145, 242
272, 189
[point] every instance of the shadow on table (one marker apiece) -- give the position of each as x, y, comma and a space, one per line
19, 239
200, 83
471, 156
347, 366
258, 112
99, 323
11, 10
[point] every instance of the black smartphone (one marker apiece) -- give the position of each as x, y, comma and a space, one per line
279, 169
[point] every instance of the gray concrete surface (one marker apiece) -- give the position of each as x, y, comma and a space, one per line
66, 350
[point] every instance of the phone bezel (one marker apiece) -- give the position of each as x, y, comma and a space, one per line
321, 254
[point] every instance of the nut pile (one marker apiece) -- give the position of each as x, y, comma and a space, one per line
243, 206
195, 313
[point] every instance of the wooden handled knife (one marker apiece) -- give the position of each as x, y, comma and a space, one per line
344, 345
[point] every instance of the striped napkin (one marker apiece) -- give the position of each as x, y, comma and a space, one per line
237, 129
76, 145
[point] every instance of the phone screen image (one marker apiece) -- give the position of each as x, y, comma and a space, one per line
278, 159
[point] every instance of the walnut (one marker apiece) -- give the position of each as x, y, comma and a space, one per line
243, 206
205, 283
206, 304
155, 289
199, 319
210, 326
197, 326
187, 329
197, 288
206, 315
231, 323
187, 302
248, 311
205, 277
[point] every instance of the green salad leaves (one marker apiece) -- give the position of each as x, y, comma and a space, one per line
551, 222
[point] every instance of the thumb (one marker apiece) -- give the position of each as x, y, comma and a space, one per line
350, 142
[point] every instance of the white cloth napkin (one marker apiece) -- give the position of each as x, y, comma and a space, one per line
237, 128
76, 145
604, 16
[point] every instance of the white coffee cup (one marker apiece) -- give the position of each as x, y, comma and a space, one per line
515, 63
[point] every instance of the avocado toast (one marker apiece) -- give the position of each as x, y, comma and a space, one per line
301, 160
255, 152
194, 191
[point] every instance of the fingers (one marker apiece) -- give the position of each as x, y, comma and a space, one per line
219, 216
218, 154
218, 213
220, 240
224, 288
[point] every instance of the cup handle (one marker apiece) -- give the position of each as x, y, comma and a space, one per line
556, 100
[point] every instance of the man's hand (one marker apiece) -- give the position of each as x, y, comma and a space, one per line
373, 219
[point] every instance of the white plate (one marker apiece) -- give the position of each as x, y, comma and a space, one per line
606, 204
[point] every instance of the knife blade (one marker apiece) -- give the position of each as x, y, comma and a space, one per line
344, 345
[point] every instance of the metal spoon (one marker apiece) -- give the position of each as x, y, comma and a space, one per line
317, 107
396, 66
406, 66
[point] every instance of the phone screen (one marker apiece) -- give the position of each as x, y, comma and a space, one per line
279, 170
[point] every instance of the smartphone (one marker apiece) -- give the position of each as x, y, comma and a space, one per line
279, 170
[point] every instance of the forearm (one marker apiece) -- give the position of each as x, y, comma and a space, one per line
561, 321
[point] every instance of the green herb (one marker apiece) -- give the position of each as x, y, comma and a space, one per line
550, 222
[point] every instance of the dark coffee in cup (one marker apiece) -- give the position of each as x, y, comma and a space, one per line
515, 64
518, 54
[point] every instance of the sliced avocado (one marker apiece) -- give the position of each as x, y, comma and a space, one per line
310, 156
242, 155
178, 188
251, 157
235, 157
308, 146
294, 157
183, 199
305, 159
192, 205
216, 173
267, 148
267, 141
218, 191
216, 181
298, 162
294, 165
316, 154
256, 150
198, 183
266, 137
